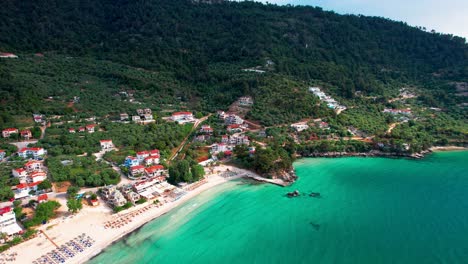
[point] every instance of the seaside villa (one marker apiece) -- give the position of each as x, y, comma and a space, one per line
8, 224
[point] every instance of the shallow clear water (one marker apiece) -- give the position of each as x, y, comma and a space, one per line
372, 210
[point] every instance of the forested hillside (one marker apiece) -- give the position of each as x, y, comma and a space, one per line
180, 52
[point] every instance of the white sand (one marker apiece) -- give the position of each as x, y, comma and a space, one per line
447, 148
91, 221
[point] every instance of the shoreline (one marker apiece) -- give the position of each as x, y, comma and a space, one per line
376, 153
91, 221
447, 148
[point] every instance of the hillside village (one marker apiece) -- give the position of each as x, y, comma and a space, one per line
136, 175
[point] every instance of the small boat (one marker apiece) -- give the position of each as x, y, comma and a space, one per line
314, 194
293, 194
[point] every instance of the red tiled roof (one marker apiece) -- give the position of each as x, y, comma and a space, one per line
106, 140
31, 162
5, 210
136, 167
154, 168
152, 157
143, 153
38, 174
90, 126
42, 197
20, 170
131, 158
21, 186
34, 184
154, 151
10, 129
30, 149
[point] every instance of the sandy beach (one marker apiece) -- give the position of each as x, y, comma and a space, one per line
447, 148
92, 222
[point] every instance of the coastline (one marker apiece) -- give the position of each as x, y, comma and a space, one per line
447, 148
91, 221
376, 153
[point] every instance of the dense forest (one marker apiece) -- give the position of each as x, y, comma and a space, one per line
179, 53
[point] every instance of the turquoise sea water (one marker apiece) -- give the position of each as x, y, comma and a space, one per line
372, 210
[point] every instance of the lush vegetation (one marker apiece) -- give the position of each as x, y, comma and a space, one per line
82, 171
164, 136
74, 203
44, 211
185, 171
266, 161
173, 55
7, 180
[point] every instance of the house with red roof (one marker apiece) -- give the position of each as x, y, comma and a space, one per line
142, 155
7, 55
26, 134
154, 152
33, 165
225, 139
182, 117
42, 198
151, 160
234, 128
31, 152
206, 129
137, 170
81, 129
156, 170
8, 224
37, 176
90, 128
106, 144
71, 130
8, 131
22, 190
20, 173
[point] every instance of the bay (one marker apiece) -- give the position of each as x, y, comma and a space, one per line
371, 210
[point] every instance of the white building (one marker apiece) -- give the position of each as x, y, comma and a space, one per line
182, 117
7, 55
237, 139
8, 223
117, 199
246, 101
31, 152
220, 147
233, 119
106, 144
300, 126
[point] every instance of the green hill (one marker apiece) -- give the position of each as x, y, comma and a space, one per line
180, 53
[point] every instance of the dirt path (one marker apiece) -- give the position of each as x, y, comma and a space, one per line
182, 145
